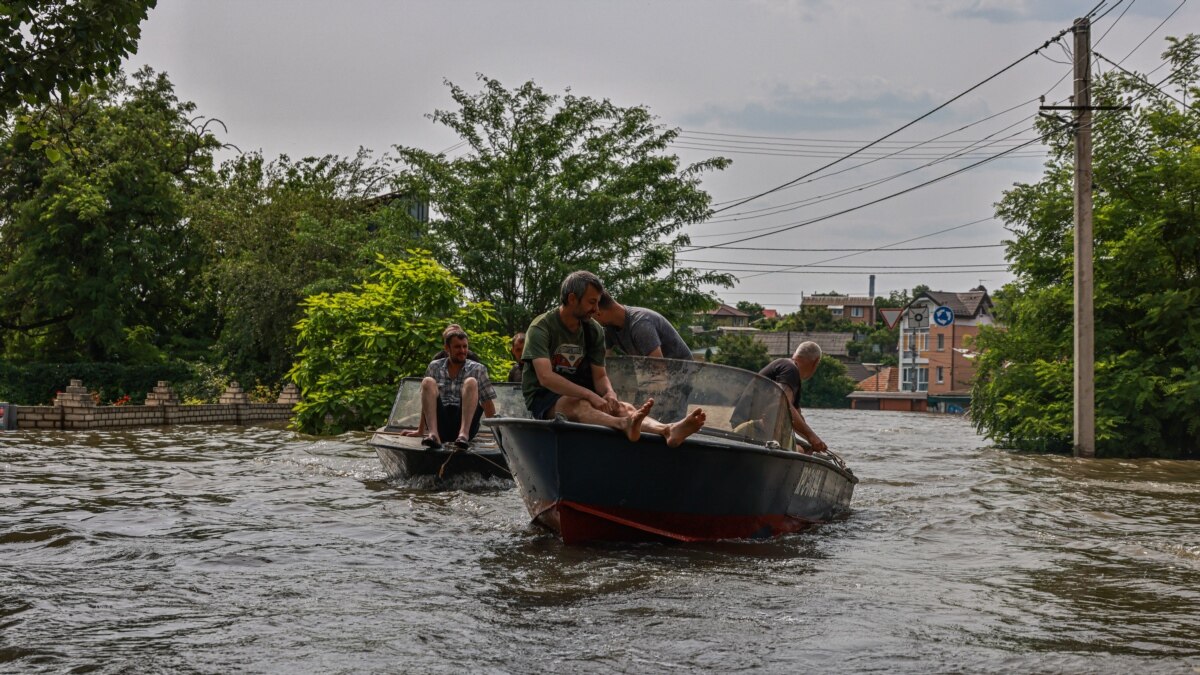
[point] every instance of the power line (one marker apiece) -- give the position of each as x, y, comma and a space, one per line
991, 77
859, 250
857, 274
837, 267
872, 202
1140, 78
1151, 34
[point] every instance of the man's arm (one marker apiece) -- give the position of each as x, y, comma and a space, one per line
489, 407
600, 379
564, 387
800, 426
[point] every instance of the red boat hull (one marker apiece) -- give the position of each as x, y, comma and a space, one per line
581, 523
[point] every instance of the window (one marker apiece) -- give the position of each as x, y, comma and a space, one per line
940, 377
941, 346
856, 312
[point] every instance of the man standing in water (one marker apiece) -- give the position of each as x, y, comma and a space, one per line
564, 349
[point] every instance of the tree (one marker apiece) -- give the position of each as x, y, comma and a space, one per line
1147, 283
828, 387
356, 345
741, 351
553, 184
754, 309
879, 346
58, 45
97, 261
282, 230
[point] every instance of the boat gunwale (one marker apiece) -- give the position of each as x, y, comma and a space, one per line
699, 438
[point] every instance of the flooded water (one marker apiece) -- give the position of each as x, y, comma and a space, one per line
221, 549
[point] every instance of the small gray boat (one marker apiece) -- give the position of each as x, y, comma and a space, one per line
403, 456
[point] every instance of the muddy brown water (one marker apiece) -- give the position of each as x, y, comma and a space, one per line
248, 549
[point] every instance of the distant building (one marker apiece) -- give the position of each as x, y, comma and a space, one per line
728, 316
783, 343
852, 308
882, 392
938, 360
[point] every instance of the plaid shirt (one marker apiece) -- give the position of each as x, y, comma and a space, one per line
450, 389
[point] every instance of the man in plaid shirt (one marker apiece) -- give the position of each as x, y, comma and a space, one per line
454, 394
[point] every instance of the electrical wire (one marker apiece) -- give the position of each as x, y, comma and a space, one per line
991, 77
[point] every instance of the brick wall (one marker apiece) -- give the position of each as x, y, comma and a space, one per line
75, 409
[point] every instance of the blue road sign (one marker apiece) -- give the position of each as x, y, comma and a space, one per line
943, 316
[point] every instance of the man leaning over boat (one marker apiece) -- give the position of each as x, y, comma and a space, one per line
790, 375
564, 350
455, 393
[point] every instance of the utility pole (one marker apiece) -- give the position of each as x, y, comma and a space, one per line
1085, 345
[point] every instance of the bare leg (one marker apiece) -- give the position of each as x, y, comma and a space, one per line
579, 410
470, 400
676, 432
429, 396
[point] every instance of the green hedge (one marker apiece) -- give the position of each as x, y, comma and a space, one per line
39, 383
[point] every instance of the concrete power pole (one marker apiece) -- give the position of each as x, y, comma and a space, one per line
1085, 346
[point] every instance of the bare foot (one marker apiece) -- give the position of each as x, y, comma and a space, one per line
634, 431
685, 427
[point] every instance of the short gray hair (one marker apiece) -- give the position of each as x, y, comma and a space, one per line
809, 351
577, 283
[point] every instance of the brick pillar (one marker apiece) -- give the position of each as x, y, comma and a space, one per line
162, 394
290, 394
75, 406
234, 394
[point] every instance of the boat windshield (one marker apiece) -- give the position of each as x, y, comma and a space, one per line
738, 403
406, 411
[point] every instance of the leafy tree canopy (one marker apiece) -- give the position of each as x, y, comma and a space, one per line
1147, 282
741, 351
356, 345
828, 387
279, 231
96, 259
58, 45
550, 184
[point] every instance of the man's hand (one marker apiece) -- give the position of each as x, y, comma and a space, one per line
411, 432
612, 403
818, 445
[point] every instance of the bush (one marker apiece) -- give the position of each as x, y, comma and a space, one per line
39, 383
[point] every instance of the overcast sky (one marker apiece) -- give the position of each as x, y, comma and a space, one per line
781, 87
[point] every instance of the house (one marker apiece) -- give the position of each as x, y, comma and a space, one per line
935, 351
728, 316
852, 308
882, 392
783, 343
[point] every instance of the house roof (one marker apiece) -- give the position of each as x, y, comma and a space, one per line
783, 343
770, 314
726, 310
967, 304
838, 300
857, 371
885, 380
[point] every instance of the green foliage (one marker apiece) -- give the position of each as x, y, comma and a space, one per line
808, 320
96, 261
39, 383
355, 346
879, 346
828, 387
754, 309
277, 232
741, 351
1147, 284
54, 46
553, 184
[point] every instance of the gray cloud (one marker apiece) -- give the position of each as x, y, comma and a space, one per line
819, 108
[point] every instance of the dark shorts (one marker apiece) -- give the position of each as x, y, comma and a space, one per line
543, 404
449, 419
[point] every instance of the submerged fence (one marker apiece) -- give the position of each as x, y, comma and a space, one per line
75, 408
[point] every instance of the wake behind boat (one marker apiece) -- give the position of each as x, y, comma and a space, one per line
403, 456
740, 477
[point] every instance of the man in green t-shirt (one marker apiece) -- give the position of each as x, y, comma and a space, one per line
564, 353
